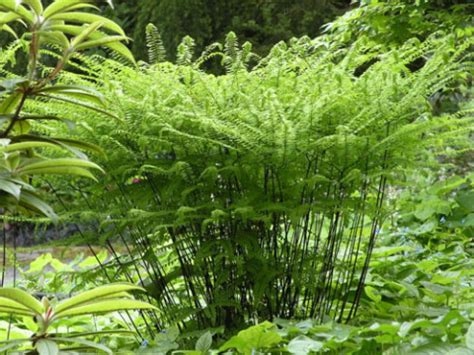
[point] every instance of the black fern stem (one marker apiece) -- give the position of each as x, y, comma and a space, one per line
4, 253
101, 265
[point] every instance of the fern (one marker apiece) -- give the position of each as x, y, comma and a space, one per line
185, 51
156, 49
264, 188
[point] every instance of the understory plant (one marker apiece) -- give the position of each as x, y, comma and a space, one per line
45, 35
52, 34
261, 193
48, 316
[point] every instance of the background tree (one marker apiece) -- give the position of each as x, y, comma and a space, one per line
261, 22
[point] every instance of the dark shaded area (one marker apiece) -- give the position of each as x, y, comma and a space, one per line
261, 22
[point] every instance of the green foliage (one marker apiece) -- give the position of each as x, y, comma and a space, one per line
105, 299
261, 337
392, 22
410, 314
59, 31
261, 22
260, 193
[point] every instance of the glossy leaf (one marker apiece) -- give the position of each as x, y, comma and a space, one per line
96, 294
47, 347
105, 306
23, 298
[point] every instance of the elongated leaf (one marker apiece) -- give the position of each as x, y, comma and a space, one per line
7, 302
11, 5
100, 42
16, 311
122, 50
22, 298
115, 46
8, 29
8, 17
78, 92
32, 202
102, 291
10, 188
85, 33
36, 5
28, 145
62, 6
82, 17
63, 142
82, 104
105, 306
61, 170
52, 163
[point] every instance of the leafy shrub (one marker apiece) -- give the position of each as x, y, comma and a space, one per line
54, 31
110, 298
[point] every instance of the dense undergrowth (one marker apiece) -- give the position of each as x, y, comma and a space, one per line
313, 197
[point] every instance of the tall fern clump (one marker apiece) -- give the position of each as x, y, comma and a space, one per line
260, 193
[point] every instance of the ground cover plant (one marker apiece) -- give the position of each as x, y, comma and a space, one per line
283, 206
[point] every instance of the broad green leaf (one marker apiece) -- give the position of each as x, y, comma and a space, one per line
47, 347
105, 306
22, 298
96, 294
304, 345
204, 342
258, 337
466, 200
470, 337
